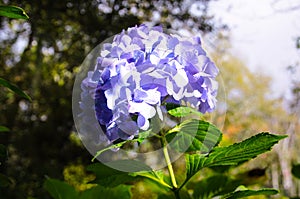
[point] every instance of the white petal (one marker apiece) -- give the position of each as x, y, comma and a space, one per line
146, 125
159, 112
144, 109
181, 78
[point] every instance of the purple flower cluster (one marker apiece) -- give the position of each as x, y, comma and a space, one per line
142, 70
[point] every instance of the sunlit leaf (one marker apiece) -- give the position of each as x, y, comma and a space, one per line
60, 190
14, 88
233, 154
194, 135
13, 12
183, 111
246, 193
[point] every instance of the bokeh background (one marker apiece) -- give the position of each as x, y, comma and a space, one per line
43, 54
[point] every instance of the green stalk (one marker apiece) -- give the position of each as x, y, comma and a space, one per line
169, 164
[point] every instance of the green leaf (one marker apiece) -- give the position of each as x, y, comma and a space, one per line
4, 181
60, 190
246, 193
13, 12
4, 129
243, 151
14, 88
193, 164
122, 191
233, 154
156, 176
183, 194
113, 146
194, 135
296, 170
108, 177
120, 144
3, 153
129, 165
183, 111
143, 135
214, 186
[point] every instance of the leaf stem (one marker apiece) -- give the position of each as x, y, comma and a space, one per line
169, 164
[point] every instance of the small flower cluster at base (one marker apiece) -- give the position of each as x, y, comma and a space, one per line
142, 70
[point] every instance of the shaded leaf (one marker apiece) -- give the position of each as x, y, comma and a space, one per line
194, 135
166, 196
214, 186
4, 181
129, 165
183, 194
183, 111
171, 106
296, 170
3, 153
246, 193
13, 12
122, 191
233, 154
108, 177
60, 190
4, 129
14, 88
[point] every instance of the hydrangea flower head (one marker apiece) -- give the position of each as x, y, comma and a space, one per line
141, 71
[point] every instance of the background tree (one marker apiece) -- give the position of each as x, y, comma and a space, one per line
251, 107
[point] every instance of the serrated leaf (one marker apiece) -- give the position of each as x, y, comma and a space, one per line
60, 190
14, 88
246, 193
296, 170
13, 12
4, 129
194, 163
243, 151
194, 135
214, 186
108, 177
121, 191
183, 111
233, 154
